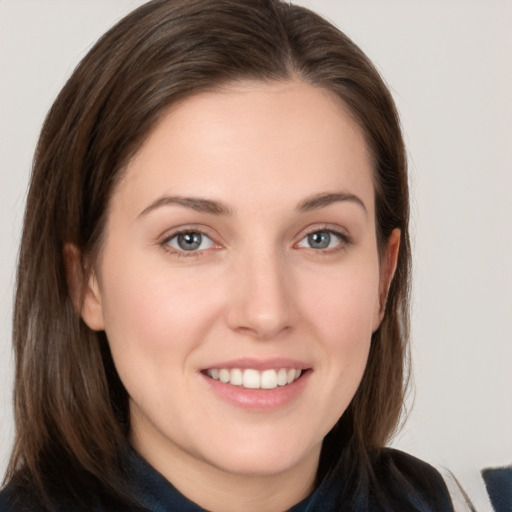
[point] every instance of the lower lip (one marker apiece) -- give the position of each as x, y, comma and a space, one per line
258, 399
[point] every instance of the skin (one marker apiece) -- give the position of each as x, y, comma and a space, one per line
255, 288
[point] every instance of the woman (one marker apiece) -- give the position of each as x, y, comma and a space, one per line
212, 309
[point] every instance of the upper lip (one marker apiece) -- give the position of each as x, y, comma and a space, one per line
259, 364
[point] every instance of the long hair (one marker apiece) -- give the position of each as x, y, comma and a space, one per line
71, 409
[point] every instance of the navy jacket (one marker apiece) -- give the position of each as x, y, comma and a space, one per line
399, 483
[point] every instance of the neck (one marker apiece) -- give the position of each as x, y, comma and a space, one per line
218, 490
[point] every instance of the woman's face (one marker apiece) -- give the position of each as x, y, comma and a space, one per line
240, 251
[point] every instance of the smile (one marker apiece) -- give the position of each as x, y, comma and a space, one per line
254, 379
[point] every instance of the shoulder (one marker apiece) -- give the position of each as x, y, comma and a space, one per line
405, 465
7, 501
23, 499
387, 480
405, 480
12, 500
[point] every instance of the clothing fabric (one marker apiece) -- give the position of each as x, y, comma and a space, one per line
499, 486
399, 482
408, 484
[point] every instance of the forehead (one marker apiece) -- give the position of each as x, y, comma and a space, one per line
283, 138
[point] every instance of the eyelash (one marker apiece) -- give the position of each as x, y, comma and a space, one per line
345, 242
183, 253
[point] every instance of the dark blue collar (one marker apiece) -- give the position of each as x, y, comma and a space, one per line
394, 481
156, 494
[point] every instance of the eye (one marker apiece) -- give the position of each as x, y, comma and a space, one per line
324, 239
190, 241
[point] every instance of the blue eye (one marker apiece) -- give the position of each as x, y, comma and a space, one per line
190, 241
321, 240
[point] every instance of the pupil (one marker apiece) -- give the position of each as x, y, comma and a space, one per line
319, 240
189, 241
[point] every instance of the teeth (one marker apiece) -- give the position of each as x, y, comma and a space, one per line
251, 379
254, 379
281, 377
236, 377
268, 379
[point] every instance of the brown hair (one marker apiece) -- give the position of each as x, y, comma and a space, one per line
70, 407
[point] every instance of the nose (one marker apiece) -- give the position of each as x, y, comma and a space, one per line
261, 303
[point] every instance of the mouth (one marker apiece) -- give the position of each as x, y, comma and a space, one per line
258, 385
251, 378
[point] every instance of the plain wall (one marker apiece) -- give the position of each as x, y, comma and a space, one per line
448, 64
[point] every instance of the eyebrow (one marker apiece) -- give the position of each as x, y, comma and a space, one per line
202, 205
195, 203
322, 200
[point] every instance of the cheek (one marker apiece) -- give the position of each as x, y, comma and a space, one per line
342, 303
149, 310
341, 312
336, 306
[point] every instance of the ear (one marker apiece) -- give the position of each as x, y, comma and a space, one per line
388, 262
83, 288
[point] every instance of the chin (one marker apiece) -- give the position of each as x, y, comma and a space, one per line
261, 456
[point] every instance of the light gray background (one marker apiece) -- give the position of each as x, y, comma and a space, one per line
448, 64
